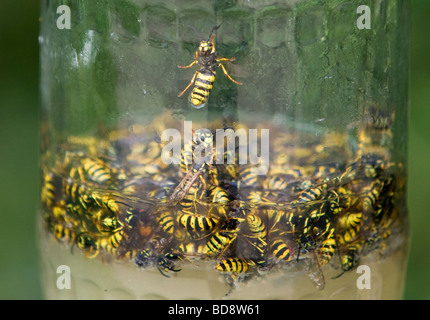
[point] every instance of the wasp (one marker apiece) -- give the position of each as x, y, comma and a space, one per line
166, 221
248, 179
111, 204
164, 262
202, 141
219, 195
77, 194
223, 238
196, 223
275, 217
275, 183
96, 170
378, 119
265, 198
351, 220
209, 60
235, 265
107, 244
196, 192
350, 257
115, 239
192, 248
62, 233
88, 244
220, 199
346, 236
105, 221
327, 249
369, 166
280, 250
286, 178
312, 228
311, 194
385, 203
59, 213
257, 229
321, 171
219, 242
255, 234
371, 195
48, 191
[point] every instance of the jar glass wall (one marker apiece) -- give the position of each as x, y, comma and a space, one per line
223, 149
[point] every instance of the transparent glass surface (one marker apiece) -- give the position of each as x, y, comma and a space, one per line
223, 149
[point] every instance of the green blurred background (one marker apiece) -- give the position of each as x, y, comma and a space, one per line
19, 147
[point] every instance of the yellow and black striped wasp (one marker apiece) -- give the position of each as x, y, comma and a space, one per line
203, 140
235, 265
196, 224
200, 139
164, 262
280, 250
208, 59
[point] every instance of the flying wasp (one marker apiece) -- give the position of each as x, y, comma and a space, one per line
208, 59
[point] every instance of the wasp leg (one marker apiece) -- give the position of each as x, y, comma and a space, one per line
189, 66
189, 85
226, 59
160, 268
228, 76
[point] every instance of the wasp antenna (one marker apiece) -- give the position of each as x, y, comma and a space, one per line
196, 32
214, 29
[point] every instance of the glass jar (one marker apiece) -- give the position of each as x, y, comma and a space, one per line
223, 149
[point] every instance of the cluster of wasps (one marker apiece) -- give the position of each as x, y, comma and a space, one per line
115, 198
320, 203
